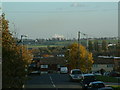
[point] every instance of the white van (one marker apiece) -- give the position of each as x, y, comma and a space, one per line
63, 70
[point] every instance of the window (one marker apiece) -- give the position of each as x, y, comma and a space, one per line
44, 66
110, 65
95, 65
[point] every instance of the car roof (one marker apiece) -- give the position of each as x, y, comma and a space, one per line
95, 82
88, 74
75, 70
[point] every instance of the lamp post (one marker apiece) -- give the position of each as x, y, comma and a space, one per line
77, 62
21, 40
87, 49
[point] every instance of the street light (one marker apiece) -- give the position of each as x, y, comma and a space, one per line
77, 62
87, 49
21, 40
22, 37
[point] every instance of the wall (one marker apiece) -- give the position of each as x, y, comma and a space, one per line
97, 67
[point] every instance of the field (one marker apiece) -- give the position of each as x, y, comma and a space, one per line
64, 43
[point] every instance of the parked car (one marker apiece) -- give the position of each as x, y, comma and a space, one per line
97, 73
87, 78
35, 73
114, 74
75, 75
63, 70
106, 74
98, 85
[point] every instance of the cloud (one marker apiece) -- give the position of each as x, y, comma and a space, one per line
76, 5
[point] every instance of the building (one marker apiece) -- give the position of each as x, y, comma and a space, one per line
106, 63
52, 64
117, 63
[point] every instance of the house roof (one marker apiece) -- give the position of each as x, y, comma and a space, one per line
53, 60
103, 61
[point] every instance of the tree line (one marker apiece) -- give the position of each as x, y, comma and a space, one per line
104, 48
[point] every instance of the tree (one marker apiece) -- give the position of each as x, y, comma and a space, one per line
80, 57
104, 45
118, 49
14, 62
96, 46
90, 46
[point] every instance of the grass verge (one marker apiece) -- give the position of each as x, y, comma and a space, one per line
108, 79
115, 87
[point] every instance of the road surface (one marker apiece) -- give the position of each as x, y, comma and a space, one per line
55, 81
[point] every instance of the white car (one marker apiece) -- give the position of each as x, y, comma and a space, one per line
75, 75
63, 70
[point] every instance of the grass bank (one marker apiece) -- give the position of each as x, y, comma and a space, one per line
115, 87
108, 79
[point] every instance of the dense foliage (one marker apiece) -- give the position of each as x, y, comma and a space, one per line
79, 57
15, 59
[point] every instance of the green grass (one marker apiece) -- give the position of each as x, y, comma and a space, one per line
116, 87
39, 46
108, 79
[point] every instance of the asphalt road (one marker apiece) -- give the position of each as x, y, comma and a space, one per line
55, 81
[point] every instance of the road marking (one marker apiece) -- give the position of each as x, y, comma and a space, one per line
52, 81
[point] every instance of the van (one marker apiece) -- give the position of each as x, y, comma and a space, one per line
63, 70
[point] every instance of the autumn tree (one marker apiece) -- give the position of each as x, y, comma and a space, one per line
15, 59
79, 57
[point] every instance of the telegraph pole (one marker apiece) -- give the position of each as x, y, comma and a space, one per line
77, 63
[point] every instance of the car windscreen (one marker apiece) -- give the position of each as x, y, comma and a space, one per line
76, 72
89, 77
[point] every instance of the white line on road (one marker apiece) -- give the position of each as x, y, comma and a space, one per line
52, 81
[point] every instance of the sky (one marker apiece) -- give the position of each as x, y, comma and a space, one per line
45, 19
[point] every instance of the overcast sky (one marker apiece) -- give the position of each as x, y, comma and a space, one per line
45, 19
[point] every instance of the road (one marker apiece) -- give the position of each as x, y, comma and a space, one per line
55, 81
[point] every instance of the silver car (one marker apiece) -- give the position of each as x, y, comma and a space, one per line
75, 75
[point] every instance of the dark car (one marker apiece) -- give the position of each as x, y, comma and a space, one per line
87, 78
98, 85
114, 74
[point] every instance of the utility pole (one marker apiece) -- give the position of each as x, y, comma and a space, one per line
77, 63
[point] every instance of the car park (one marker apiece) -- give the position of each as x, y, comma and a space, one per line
75, 75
